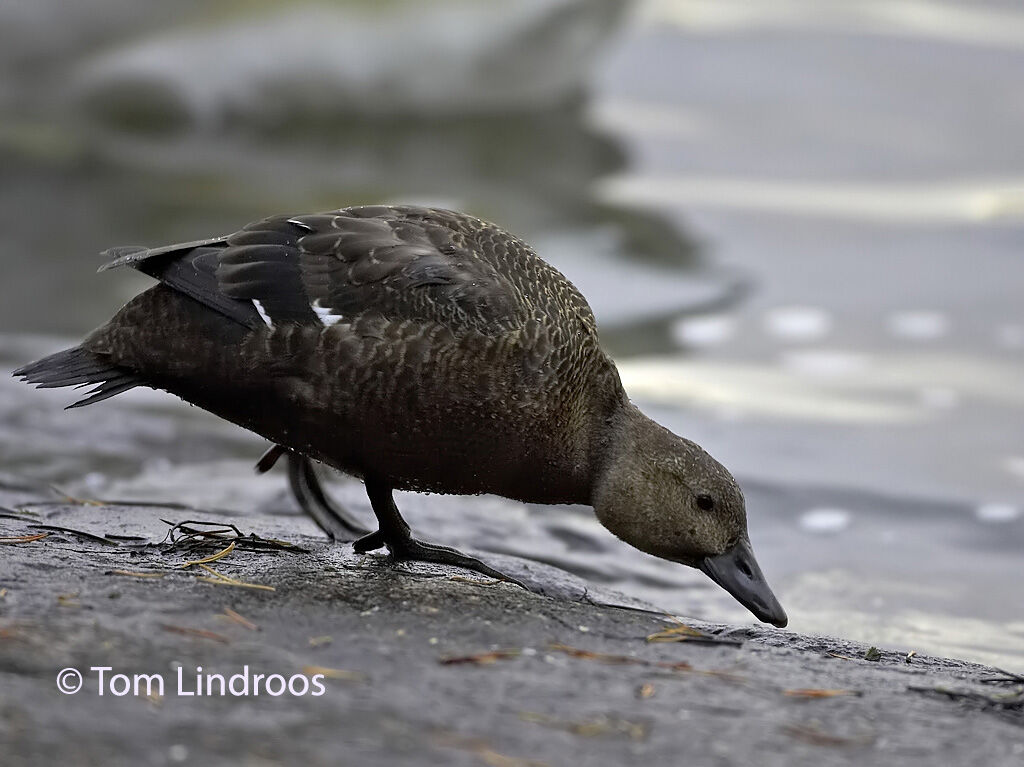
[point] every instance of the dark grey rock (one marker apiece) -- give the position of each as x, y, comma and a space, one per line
63, 606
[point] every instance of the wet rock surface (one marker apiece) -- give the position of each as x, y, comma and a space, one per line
423, 665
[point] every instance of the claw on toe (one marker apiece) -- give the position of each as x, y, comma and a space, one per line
370, 542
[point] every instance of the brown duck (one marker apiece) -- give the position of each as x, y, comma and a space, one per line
418, 349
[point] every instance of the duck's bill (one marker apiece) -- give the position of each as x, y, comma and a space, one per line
737, 572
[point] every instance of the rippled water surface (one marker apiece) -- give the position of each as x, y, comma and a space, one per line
800, 224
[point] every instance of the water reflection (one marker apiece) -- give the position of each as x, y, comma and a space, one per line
269, 63
532, 172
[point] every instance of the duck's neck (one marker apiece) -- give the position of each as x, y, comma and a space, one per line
612, 428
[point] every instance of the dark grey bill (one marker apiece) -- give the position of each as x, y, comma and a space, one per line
737, 572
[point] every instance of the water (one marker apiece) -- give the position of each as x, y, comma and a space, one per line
799, 224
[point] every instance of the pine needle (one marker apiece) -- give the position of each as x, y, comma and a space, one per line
212, 558
220, 579
136, 574
333, 673
241, 620
22, 538
237, 584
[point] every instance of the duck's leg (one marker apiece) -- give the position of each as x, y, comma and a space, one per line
394, 533
314, 500
269, 458
311, 496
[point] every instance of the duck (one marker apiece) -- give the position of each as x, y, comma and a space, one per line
418, 349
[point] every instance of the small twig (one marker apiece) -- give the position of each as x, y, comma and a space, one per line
184, 536
72, 531
192, 532
1007, 676
1012, 702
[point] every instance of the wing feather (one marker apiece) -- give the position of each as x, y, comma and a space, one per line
398, 264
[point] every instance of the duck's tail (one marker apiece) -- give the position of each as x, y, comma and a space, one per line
79, 367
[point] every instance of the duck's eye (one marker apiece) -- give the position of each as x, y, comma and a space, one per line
705, 502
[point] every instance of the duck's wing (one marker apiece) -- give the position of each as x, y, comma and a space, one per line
188, 267
396, 263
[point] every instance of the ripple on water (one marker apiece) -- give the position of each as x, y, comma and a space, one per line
1015, 465
1010, 336
798, 323
997, 512
939, 397
709, 330
825, 521
825, 363
918, 325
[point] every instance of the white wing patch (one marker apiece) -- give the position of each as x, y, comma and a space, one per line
263, 313
325, 314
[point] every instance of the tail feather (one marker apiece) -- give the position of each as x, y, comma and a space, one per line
79, 367
105, 390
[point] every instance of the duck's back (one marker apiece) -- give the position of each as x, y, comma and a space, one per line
424, 346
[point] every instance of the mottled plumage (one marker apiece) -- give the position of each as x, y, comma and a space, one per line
454, 360
418, 349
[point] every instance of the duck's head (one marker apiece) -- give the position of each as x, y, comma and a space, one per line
666, 496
